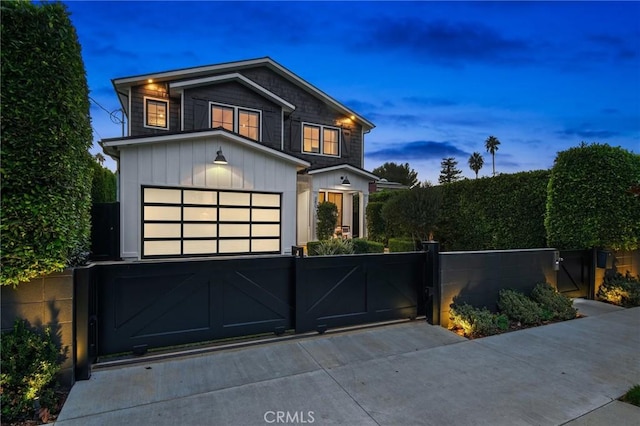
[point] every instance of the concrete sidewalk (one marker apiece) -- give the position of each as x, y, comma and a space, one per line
403, 374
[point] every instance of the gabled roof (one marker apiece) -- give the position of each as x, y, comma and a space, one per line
122, 85
344, 167
111, 146
181, 85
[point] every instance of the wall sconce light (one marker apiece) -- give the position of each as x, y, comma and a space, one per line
345, 181
220, 158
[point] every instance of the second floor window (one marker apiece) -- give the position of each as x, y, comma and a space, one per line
156, 113
245, 122
320, 140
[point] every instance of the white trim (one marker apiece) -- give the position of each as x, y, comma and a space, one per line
181, 85
144, 112
321, 147
202, 71
236, 117
148, 140
341, 167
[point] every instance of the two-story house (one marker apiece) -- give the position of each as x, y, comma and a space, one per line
233, 158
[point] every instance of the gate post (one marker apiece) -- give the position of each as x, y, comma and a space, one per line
81, 314
432, 281
298, 254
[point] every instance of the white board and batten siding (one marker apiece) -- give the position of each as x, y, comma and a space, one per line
189, 164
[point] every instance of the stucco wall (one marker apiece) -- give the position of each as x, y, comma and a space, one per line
476, 277
44, 301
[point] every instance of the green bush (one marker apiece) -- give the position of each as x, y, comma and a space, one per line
46, 133
361, 245
413, 213
590, 202
103, 184
476, 322
334, 246
30, 362
376, 226
555, 306
397, 245
519, 307
621, 290
496, 213
632, 396
327, 220
312, 248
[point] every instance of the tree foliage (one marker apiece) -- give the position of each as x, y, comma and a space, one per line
476, 162
103, 185
505, 212
327, 220
491, 144
413, 213
401, 173
449, 171
590, 200
46, 134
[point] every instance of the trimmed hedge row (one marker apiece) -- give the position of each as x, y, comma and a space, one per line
501, 212
590, 199
360, 246
46, 135
398, 245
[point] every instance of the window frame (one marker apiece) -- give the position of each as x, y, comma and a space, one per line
224, 218
146, 124
321, 147
236, 118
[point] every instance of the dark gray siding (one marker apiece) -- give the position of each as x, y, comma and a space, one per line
309, 109
196, 106
136, 115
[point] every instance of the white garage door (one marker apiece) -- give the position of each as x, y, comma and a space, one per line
204, 222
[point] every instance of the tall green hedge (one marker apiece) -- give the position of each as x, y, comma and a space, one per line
103, 185
590, 202
46, 134
501, 212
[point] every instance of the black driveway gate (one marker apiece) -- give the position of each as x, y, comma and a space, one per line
134, 306
159, 304
336, 291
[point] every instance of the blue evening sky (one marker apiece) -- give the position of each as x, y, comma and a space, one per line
436, 78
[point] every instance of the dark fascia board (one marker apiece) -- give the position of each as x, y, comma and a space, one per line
122, 85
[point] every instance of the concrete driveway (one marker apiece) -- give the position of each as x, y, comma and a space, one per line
407, 373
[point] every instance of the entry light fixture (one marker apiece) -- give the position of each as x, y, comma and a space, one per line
345, 181
220, 158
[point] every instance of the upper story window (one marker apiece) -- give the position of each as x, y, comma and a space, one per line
243, 121
156, 113
323, 140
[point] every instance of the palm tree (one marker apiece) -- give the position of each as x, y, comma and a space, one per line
476, 162
100, 158
492, 146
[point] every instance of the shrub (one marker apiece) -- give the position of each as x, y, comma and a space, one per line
312, 248
476, 322
632, 396
30, 362
46, 134
334, 246
621, 290
327, 220
555, 306
361, 245
413, 213
103, 185
501, 212
590, 202
376, 227
519, 307
398, 245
